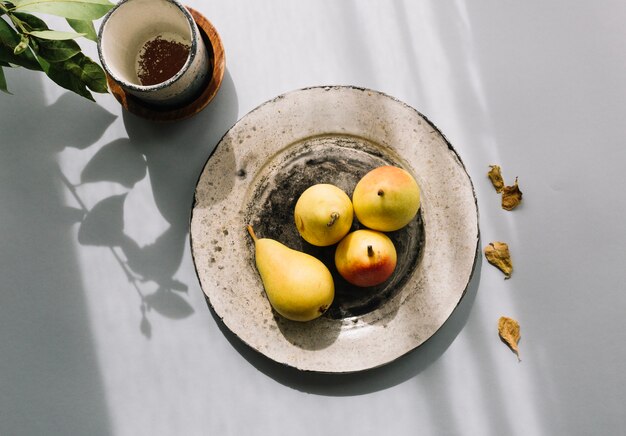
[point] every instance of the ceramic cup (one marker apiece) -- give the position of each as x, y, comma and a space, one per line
141, 44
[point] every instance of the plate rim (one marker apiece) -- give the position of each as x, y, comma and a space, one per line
477, 235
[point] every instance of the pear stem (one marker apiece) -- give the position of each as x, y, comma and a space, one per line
333, 218
251, 231
370, 251
381, 192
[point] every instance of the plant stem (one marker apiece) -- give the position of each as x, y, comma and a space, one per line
333, 218
251, 231
18, 23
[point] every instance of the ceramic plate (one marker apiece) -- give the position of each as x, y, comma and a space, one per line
333, 135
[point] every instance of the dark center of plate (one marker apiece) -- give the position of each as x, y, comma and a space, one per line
340, 160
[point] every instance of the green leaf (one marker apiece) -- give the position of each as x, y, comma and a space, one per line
50, 50
85, 27
35, 23
23, 45
74, 9
78, 74
3, 82
57, 51
89, 72
55, 35
8, 36
63, 78
9, 39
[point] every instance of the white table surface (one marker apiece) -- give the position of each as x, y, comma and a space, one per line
535, 86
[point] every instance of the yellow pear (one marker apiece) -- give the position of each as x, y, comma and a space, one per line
386, 199
298, 285
323, 214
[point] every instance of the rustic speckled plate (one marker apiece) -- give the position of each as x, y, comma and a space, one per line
333, 135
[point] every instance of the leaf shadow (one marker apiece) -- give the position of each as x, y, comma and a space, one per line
170, 157
129, 163
56, 124
48, 309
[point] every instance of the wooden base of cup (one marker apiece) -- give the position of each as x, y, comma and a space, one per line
217, 65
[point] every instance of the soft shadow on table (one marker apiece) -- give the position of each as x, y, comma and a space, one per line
171, 156
371, 380
50, 376
51, 381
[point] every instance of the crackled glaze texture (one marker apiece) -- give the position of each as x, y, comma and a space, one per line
333, 135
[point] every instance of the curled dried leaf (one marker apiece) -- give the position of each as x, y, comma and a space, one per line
508, 329
511, 196
495, 175
497, 253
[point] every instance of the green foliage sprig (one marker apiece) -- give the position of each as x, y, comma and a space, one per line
26, 41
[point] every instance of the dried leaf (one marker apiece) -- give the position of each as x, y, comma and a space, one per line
497, 253
508, 329
511, 196
495, 176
